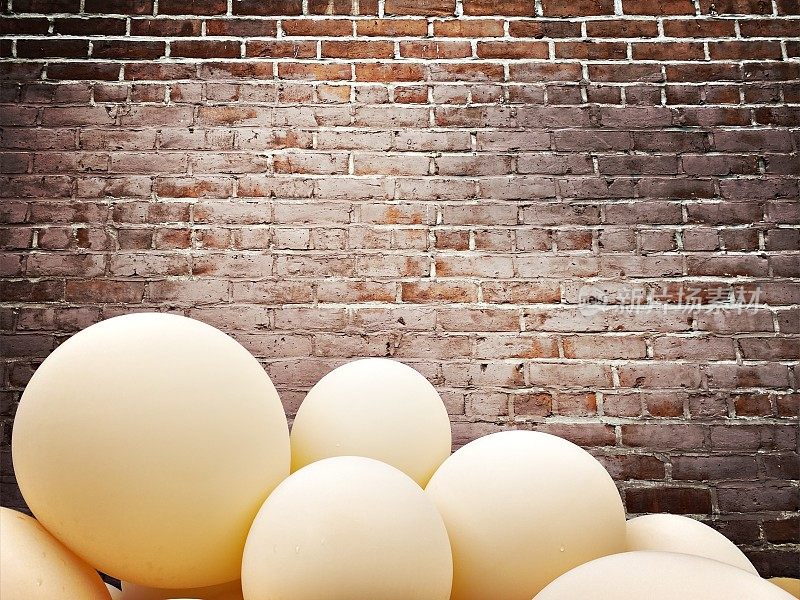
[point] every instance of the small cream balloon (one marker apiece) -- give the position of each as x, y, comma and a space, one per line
36, 566
225, 591
788, 584
659, 576
377, 408
674, 533
147, 443
347, 527
522, 508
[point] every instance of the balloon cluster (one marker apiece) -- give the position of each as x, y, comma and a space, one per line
154, 448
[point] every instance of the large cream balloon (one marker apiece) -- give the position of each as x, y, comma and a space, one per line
225, 591
522, 508
649, 575
146, 443
347, 528
788, 584
674, 533
36, 566
378, 408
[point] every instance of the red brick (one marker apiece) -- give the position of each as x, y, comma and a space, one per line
632, 466
668, 51
535, 72
46, 6
544, 28
617, 28
24, 25
315, 71
698, 72
36, 48
83, 70
168, 27
658, 7
744, 497
159, 71
192, 7
512, 50
281, 49
205, 49
128, 49
742, 7
625, 72
389, 72
577, 8
591, 50
699, 28
435, 49
532, 405
267, 7
82, 26
241, 27
357, 49
330, 7
587, 435
466, 72
466, 29
122, 7
317, 28
782, 530
392, 27
425, 8
518, 8
744, 50
675, 500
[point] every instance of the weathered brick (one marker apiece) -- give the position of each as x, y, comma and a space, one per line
267, 7
675, 500
123, 7
392, 27
192, 7
565, 8
519, 8
420, 7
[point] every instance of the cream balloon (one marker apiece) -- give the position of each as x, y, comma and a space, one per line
788, 584
147, 443
522, 508
225, 591
116, 593
378, 408
674, 533
36, 566
659, 576
349, 528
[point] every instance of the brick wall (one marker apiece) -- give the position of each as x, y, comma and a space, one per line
574, 216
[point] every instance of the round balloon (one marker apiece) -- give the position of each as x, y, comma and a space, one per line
147, 443
788, 584
674, 533
654, 575
225, 591
36, 566
522, 508
378, 408
347, 527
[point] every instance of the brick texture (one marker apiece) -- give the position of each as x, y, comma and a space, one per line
579, 217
